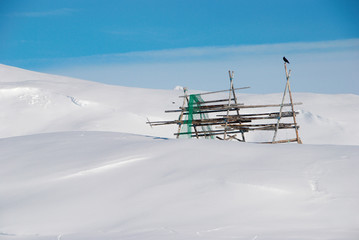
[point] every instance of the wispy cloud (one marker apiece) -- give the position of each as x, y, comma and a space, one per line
216, 53
56, 12
323, 67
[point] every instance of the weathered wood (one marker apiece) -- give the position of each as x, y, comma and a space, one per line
291, 100
214, 107
287, 87
262, 118
205, 132
270, 114
260, 125
220, 132
270, 128
281, 107
229, 104
232, 107
205, 93
199, 122
268, 105
208, 134
231, 124
238, 129
215, 101
282, 141
184, 104
195, 129
235, 101
218, 121
203, 124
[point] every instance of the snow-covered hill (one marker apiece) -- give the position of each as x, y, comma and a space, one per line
79, 162
40, 103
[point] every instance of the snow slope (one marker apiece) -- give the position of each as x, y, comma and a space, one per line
98, 185
79, 162
40, 103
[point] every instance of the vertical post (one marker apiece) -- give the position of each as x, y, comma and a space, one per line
287, 87
294, 117
195, 130
235, 101
229, 103
281, 105
185, 99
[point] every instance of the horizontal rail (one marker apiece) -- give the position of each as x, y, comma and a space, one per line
205, 93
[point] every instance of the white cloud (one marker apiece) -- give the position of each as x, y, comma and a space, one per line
206, 54
324, 67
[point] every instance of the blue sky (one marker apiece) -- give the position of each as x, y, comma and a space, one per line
163, 43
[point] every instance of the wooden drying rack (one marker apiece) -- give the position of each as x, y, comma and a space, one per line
232, 122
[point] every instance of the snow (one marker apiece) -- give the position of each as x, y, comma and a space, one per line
79, 162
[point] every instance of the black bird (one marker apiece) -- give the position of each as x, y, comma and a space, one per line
285, 60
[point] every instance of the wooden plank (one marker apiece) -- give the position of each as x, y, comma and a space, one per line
263, 118
233, 107
264, 128
205, 93
158, 123
258, 114
217, 106
282, 141
204, 134
202, 122
269, 105
240, 129
214, 121
260, 125
221, 131
215, 101
209, 134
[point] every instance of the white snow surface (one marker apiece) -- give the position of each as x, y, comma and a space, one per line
78, 161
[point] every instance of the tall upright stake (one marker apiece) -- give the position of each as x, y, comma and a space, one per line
291, 104
287, 87
231, 76
229, 103
185, 101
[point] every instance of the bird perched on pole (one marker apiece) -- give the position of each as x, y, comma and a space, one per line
285, 60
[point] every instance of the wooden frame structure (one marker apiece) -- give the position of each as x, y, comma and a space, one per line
224, 120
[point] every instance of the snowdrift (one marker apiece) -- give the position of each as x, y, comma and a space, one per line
98, 185
79, 162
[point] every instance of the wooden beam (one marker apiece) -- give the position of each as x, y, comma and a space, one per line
205, 93
208, 134
232, 107
282, 141
260, 114
260, 125
215, 101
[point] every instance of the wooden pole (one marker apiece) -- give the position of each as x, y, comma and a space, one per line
195, 130
282, 104
183, 109
294, 117
235, 101
287, 88
205, 93
229, 103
